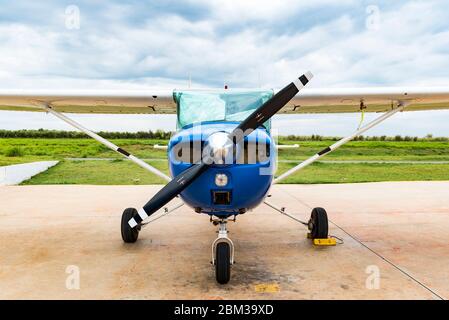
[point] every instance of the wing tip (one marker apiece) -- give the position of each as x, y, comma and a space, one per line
303, 80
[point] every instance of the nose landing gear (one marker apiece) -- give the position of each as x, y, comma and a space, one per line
222, 253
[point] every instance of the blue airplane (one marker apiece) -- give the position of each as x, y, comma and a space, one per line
222, 159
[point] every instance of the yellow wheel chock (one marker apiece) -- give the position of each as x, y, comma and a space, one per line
330, 241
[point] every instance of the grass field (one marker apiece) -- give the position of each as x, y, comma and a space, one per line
117, 171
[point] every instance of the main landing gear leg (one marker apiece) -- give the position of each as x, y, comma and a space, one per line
318, 223
222, 253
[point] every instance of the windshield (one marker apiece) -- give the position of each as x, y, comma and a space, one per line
194, 107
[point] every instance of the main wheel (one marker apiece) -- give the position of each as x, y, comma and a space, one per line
223, 263
129, 235
318, 224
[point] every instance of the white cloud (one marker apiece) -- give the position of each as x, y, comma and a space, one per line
406, 48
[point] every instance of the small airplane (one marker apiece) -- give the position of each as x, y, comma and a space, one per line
222, 159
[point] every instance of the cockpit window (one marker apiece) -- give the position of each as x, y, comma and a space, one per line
195, 107
253, 152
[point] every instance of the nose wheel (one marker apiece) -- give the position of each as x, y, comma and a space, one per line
222, 253
223, 263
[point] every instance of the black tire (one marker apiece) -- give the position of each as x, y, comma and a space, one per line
129, 235
223, 263
319, 223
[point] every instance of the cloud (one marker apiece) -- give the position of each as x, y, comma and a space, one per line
246, 43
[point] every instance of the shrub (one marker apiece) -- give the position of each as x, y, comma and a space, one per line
14, 152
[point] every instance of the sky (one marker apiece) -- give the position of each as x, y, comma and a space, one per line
245, 44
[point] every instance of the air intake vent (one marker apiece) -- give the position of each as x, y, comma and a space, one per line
221, 197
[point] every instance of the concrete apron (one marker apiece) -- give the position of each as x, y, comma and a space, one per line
395, 245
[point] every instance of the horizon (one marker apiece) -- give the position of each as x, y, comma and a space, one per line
413, 124
155, 132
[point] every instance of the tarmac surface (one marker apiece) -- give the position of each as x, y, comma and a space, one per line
396, 245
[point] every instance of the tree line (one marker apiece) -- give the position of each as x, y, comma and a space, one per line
57, 134
316, 137
165, 135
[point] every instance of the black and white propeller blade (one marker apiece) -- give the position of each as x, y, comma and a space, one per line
272, 106
253, 121
168, 192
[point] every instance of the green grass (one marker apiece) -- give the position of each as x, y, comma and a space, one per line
371, 150
111, 172
21, 150
14, 152
365, 172
58, 149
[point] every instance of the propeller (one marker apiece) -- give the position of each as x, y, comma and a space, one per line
218, 146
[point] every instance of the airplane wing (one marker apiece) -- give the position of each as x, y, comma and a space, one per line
322, 100
90, 101
370, 99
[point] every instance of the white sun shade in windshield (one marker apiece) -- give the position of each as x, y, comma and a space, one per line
195, 106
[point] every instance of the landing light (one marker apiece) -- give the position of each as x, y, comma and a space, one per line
221, 179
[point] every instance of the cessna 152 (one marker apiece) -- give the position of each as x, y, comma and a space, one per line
222, 158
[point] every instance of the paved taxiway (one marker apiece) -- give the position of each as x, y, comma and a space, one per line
400, 229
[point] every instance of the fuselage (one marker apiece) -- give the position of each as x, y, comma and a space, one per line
224, 189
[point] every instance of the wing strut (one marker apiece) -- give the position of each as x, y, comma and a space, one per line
107, 143
338, 144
